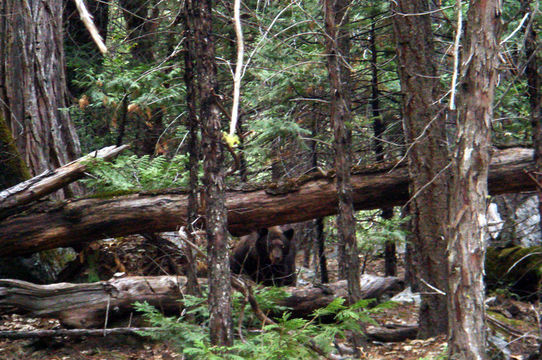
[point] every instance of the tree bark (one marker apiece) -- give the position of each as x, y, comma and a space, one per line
533, 91
319, 222
85, 305
82, 220
193, 144
468, 195
221, 326
321, 241
428, 159
337, 52
32, 83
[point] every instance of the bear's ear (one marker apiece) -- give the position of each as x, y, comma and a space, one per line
289, 234
262, 232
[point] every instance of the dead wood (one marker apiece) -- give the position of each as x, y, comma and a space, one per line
394, 334
84, 220
376, 334
12, 199
71, 333
86, 305
305, 300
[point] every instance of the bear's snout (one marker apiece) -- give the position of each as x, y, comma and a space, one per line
275, 256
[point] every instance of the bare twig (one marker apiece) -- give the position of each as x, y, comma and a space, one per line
534, 179
516, 29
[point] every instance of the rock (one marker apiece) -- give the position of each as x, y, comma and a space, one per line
407, 297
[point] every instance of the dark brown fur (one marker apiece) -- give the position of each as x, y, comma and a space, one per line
267, 256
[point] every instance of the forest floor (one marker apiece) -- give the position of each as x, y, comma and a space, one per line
520, 321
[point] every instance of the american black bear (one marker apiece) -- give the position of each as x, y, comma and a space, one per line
267, 256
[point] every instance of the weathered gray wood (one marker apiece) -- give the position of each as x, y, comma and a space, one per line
86, 305
82, 220
50, 181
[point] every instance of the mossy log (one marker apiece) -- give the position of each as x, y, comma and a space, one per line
515, 269
92, 305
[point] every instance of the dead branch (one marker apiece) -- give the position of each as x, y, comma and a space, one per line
33, 189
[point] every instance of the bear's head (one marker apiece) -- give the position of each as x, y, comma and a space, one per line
274, 243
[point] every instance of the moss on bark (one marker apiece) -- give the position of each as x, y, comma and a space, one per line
13, 170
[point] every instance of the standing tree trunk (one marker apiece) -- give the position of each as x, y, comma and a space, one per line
213, 181
32, 94
33, 83
193, 145
533, 90
468, 196
337, 51
321, 241
424, 127
390, 257
319, 222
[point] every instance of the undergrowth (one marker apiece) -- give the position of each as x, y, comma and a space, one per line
289, 338
137, 173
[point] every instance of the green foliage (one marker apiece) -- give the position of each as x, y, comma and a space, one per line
117, 83
93, 267
289, 338
181, 334
442, 356
133, 173
515, 269
372, 231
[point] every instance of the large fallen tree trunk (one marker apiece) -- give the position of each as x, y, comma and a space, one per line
72, 222
379, 334
92, 305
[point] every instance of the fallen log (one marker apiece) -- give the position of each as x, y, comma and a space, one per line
395, 334
374, 334
51, 180
86, 305
304, 301
72, 333
84, 220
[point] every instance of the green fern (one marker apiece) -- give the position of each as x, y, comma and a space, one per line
289, 338
133, 173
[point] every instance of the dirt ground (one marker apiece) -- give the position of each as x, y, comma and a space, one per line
517, 322
129, 347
